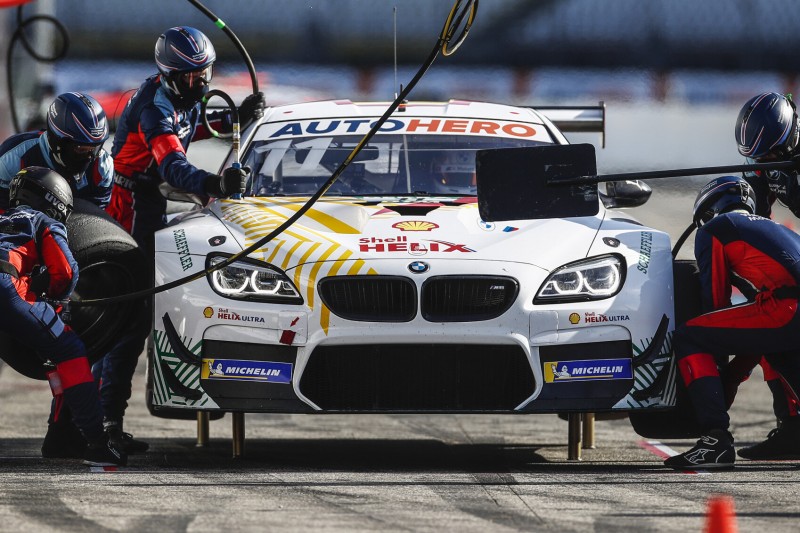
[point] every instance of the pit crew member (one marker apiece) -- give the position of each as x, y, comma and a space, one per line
155, 130
32, 235
767, 131
734, 246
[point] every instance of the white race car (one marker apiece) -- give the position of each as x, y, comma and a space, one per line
394, 294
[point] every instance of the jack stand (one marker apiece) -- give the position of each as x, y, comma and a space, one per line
238, 435
574, 436
202, 429
588, 431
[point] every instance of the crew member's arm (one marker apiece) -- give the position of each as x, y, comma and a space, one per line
101, 174
56, 255
714, 276
9, 166
158, 130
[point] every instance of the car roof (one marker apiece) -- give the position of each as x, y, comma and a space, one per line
451, 108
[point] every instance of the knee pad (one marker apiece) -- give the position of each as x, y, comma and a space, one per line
697, 365
74, 372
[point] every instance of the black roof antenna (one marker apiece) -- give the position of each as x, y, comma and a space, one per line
394, 20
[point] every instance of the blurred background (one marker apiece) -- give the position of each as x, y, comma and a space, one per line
673, 74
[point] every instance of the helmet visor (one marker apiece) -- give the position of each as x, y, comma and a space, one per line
197, 78
74, 156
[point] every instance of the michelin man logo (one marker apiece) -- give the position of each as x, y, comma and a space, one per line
563, 374
215, 371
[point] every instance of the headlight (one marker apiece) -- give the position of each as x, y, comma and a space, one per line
248, 279
588, 279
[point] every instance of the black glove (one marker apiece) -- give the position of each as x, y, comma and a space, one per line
792, 197
40, 280
252, 108
233, 181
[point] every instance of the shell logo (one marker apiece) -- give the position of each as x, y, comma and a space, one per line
208, 312
415, 225
574, 318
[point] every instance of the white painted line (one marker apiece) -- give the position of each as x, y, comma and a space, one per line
103, 469
664, 451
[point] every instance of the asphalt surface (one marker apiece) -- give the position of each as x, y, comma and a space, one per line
367, 473
388, 473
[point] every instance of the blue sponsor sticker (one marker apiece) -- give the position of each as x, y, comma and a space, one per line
239, 370
587, 370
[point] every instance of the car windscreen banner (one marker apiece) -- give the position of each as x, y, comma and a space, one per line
514, 183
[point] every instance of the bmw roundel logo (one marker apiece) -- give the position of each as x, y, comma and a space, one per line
418, 267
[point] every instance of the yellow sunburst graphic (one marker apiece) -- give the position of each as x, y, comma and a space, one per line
415, 225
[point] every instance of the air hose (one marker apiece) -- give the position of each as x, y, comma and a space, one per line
461, 16
682, 239
19, 34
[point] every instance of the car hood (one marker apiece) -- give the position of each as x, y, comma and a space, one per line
403, 228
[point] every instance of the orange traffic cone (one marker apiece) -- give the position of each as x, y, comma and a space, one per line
720, 515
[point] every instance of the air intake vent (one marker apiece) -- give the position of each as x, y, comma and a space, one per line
467, 298
370, 298
418, 377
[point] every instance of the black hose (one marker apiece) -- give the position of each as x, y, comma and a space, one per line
682, 239
444, 38
239, 46
19, 34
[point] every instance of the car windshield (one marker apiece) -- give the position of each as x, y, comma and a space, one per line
440, 165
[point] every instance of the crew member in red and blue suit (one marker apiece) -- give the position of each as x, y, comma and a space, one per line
736, 247
768, 130
35, 260
155, 130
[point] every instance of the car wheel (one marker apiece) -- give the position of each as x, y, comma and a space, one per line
680, 421
110, 264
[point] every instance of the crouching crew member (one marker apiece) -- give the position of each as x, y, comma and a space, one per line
32, 239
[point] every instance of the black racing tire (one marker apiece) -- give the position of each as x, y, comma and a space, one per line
110, 263
680, 421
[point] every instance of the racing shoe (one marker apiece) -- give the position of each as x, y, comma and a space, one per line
714, 450
104, 453
124, 441
63, 441
782, 442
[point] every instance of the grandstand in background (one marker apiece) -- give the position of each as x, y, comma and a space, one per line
639, 34
528, 52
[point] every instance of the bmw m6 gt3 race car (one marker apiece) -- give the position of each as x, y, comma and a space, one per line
393, 294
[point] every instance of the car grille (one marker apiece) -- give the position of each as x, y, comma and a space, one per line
370, 298
418, 377
466, 298
394, 298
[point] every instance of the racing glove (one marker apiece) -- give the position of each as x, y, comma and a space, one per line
252, 108
792, 198
232, 181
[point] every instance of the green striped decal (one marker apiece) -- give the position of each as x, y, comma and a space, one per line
188, 375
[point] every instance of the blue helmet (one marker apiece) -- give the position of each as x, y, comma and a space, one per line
722, 195
767, 125
76, 130
182, 51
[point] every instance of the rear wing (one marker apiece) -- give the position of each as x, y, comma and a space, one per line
577, 118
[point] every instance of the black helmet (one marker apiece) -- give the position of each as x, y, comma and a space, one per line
767, 124
185, 57
721, 195
42, 189
76, 131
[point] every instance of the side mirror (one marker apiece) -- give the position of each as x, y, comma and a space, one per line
628, 193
